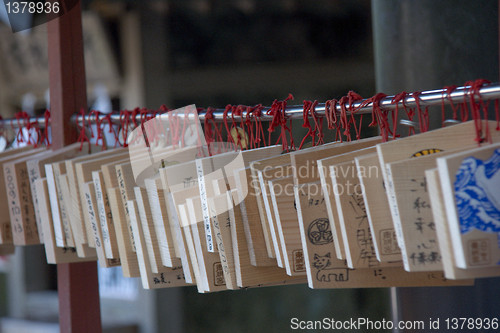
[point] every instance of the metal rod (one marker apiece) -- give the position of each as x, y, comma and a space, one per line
427, 98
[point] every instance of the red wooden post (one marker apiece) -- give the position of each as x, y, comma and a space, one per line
78, 289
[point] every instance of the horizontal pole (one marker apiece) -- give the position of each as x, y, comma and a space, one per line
427, 98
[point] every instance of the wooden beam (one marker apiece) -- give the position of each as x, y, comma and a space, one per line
79, 309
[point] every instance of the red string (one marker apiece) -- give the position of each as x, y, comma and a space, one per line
346, 104
174, 124
230, 141
184, 127
306, 124
207, 127
237, 111
447, 91
250, 127
464, 109
112, 130
331, 118
28, 126
395, 100
476, 107
259, 129
164, 111
133, 116
38, 140
98, 123
345, 122
318, 123
423, 115
153, 126
83, 136
275, 122
380, 116
284, 127
410, 113
242, 113
125, 124
150, 134
212, 131
209, 133
277, 111
23, 122
354, 97
22, 115
309, 109
218, 132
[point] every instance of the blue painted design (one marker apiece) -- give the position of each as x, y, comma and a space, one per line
477, 194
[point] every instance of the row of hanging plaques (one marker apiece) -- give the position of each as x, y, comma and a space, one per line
417, 211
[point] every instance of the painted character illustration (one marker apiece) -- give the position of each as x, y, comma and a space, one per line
325, 271
319, 232
477, 194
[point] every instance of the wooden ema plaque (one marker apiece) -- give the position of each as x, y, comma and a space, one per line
242, 182
324, 174
76, 215
127, 184
205, 171
351, 218
178, 236
413, 221
251, 218
22, 213
105, 216
210, 168
8, 191
255, 167
90, 206
180, 182
121, 221
331, 209
285, 213
460, 136
5, 227
305, 167
174, 178
220, 207
264, 176
61, 190
451, 271
304, 162
83, 173
36, 170
377, 208
201, 283
325, 271
63, 231
470, 181
128, 257
351, 213
248, 275
205, 264
147, 224
156, 197
209, 263
54, 254
166, 276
